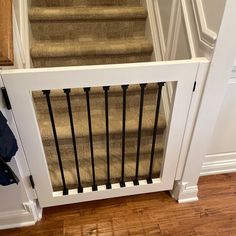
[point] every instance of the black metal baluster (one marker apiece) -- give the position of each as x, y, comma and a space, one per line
47, 94
67, 92
106, 89
122, 182
94, 186
158, 103
143, 86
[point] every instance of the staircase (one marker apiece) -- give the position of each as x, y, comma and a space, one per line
71, 33
92, 32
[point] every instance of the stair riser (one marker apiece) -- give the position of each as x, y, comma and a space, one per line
55, 3
87, 30
84, 61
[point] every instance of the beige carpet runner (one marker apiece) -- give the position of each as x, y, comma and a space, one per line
91, 32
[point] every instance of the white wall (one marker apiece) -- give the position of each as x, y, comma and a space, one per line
221, 153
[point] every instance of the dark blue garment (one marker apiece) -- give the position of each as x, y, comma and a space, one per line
8, 149
8, 145
7, 176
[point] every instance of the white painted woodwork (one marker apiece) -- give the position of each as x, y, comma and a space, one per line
20, 83
17, 206
213, 96
190, 158
207, 37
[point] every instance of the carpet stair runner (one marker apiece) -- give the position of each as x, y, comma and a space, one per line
93, 32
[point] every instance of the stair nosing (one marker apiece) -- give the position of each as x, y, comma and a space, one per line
83, 13
85, 49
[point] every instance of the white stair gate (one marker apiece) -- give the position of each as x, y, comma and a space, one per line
20, 85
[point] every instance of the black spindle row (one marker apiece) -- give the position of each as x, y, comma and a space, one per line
106, 103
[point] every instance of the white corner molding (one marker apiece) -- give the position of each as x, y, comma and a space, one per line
206, 36
183, 194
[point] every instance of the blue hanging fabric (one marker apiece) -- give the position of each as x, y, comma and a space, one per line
8, 149
8, 144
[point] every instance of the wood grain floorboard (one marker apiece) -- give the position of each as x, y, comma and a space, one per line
150, 214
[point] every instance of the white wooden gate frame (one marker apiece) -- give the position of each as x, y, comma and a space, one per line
21, 83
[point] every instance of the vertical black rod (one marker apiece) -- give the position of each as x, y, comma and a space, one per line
67, 92
47, 94
106, 89
94, 186
139, 132
122, 182
158, 103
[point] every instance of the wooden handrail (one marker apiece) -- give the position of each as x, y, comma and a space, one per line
6, 33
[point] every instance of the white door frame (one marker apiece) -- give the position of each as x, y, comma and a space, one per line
20, 83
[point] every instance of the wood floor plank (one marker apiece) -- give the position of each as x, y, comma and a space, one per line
150, 214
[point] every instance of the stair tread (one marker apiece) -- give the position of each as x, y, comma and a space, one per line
86, 13
70, 48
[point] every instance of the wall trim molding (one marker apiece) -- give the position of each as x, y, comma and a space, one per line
156, 30
27, 216
207, 37
219, 164
160, 30
17, 39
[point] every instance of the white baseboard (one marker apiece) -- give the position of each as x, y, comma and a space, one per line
26, 216
184, 193
219, 164
15, 219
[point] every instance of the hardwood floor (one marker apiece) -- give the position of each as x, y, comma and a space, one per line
151, 214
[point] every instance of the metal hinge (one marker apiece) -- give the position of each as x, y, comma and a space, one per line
194, 86
6, 98
32, 181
